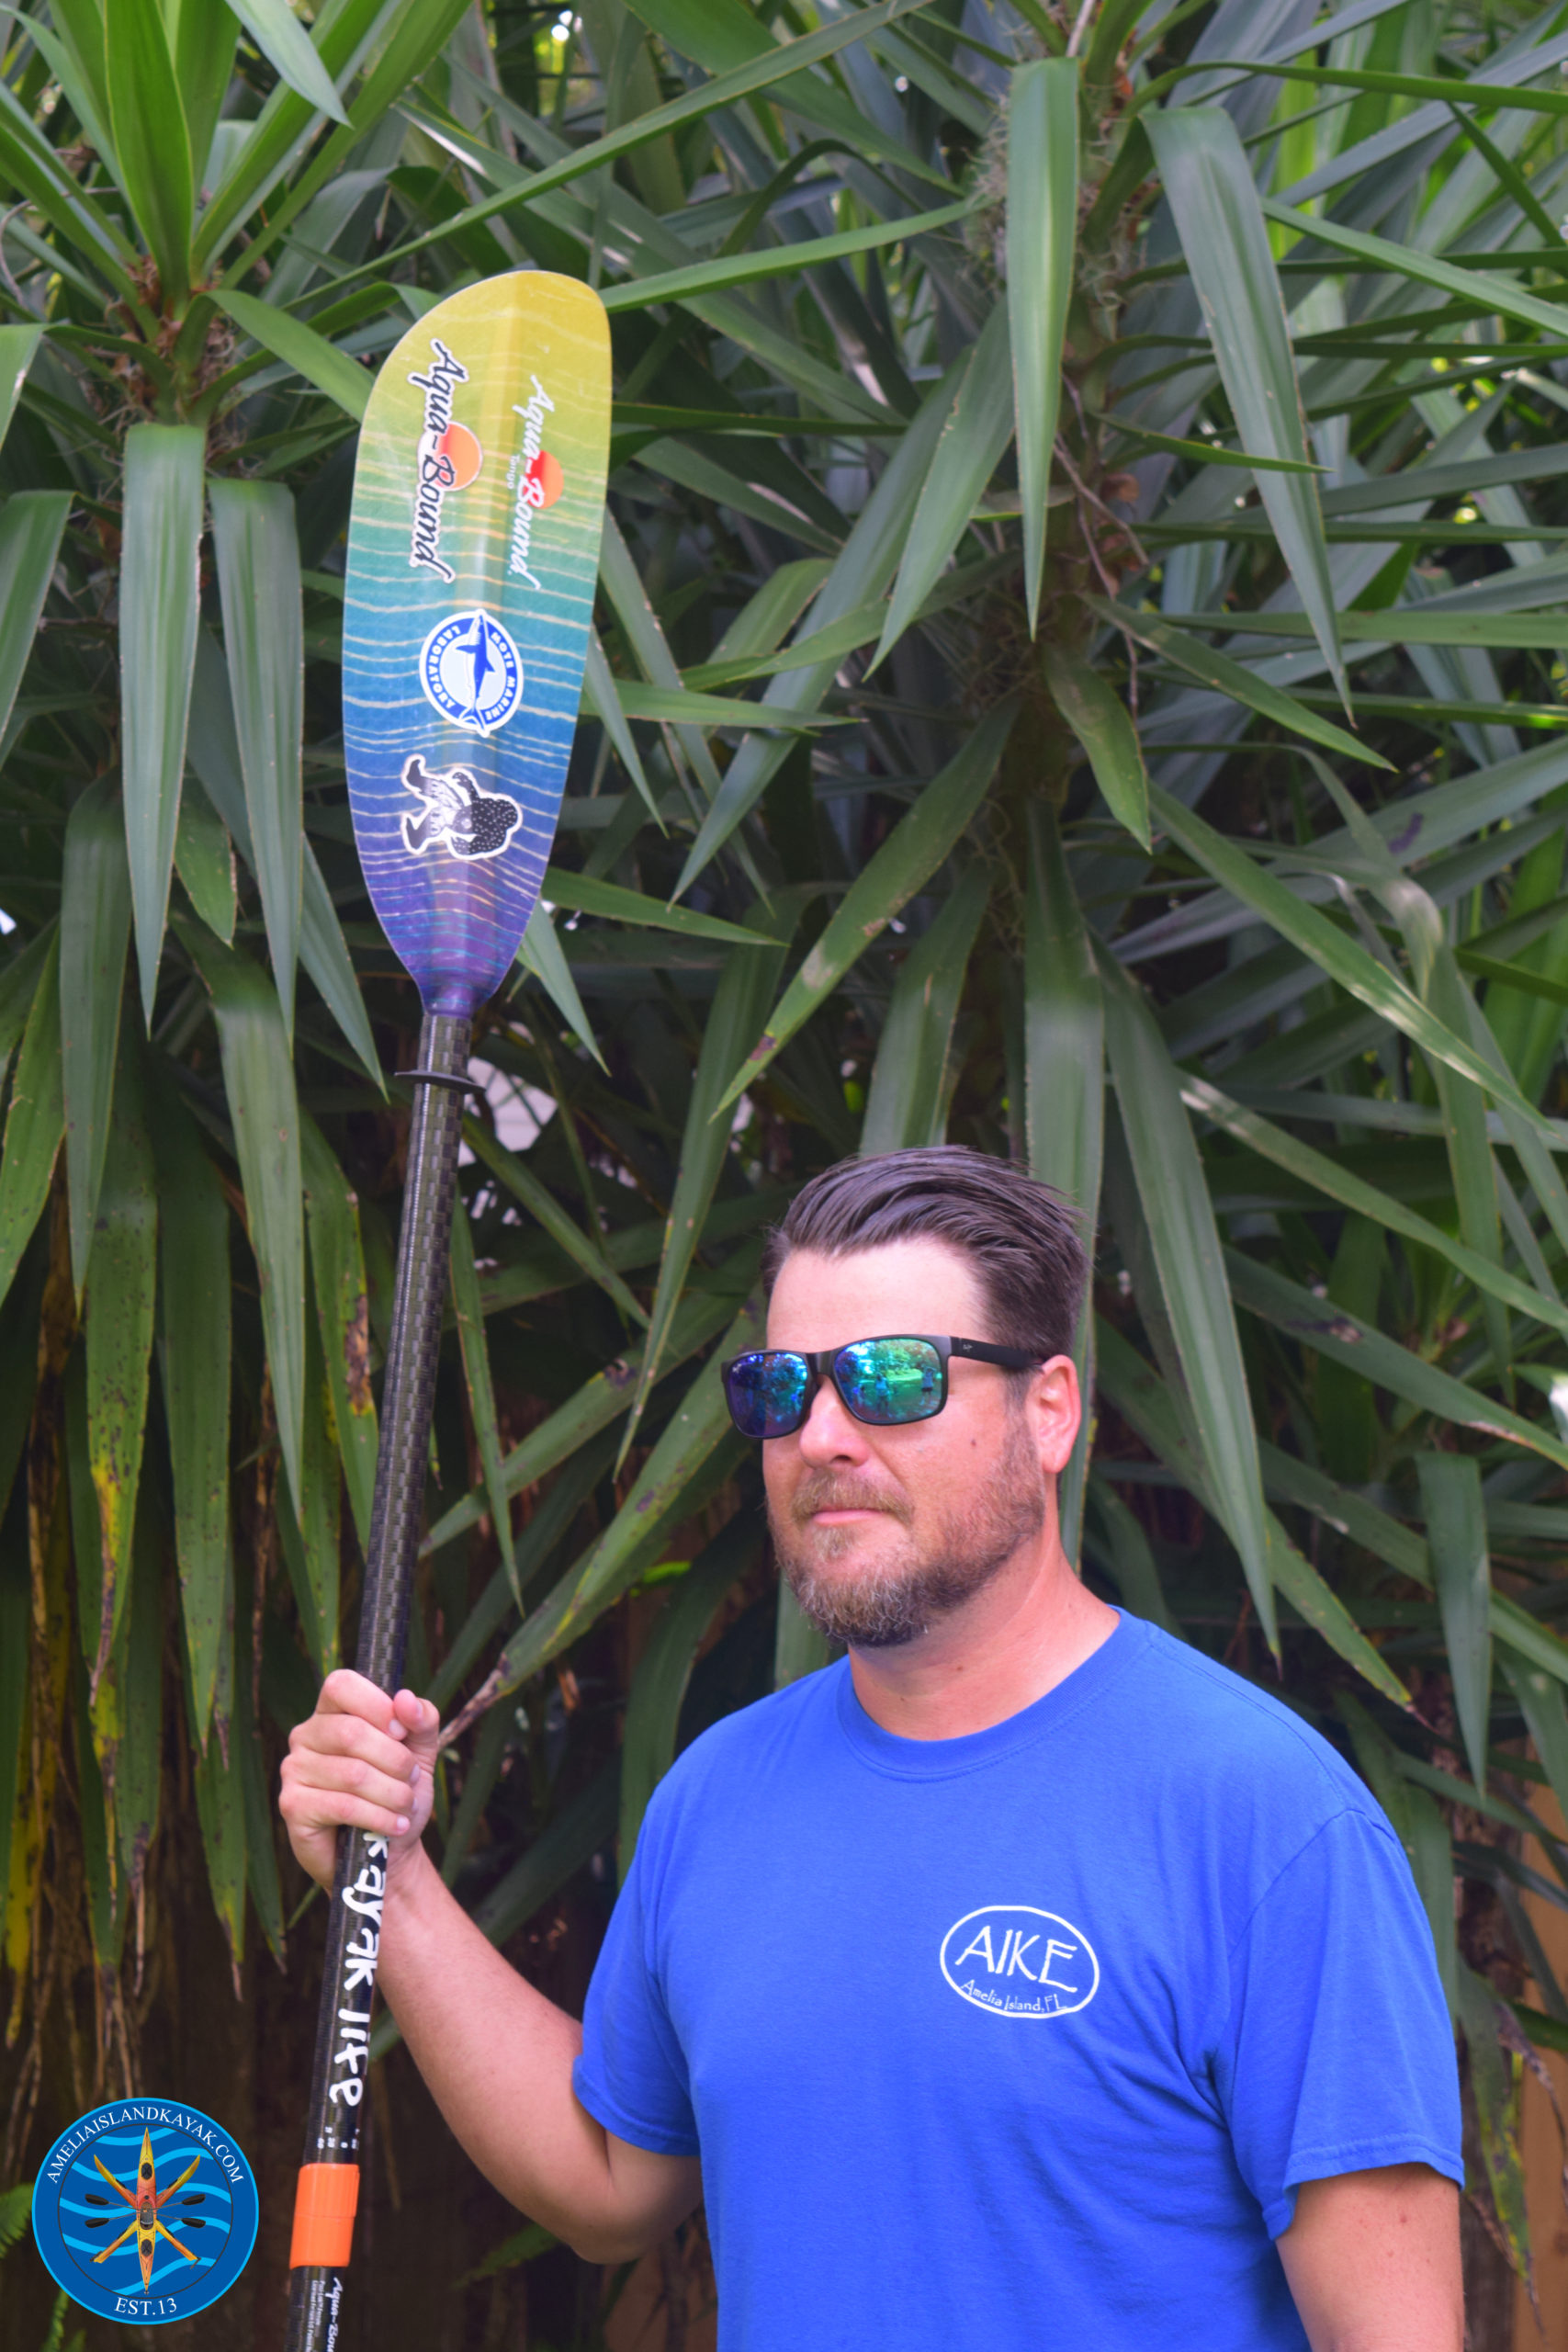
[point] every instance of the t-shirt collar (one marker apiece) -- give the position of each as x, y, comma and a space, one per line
886, 1751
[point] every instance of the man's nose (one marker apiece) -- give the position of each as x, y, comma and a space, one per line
829, 1432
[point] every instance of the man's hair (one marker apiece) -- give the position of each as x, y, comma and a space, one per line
1020, 1237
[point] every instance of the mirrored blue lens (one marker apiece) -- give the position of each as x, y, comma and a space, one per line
767, 1392
889, 1381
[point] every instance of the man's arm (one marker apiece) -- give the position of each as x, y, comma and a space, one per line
496, 2055
1372, 2260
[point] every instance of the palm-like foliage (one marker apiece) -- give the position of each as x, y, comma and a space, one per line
1079, 671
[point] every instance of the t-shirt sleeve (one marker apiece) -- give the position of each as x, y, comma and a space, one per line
1337, 2054
631, 2075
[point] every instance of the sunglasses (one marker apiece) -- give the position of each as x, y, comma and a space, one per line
886, 1383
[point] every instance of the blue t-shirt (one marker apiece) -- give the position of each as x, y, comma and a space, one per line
1027, 2036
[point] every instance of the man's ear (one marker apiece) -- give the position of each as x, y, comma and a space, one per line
1056, 1406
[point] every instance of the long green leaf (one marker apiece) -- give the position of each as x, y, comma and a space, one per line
302, 349
1546, 1715
585, 894
1208, 185
978, 428
18, 986
1338, 957
17, 346
664, 1490
1147, 1406
203, 37
159, 607
151, 139
1334, 1331
1338, 1183
860, 575
121, 1289
309, 1515
740, 1008
547, 1213
906, 861
658, 1686
31, 526
258, 575
772, 66
220, 1806
1102, 724
1235, 680
596, 1405
258, 1080
1456, 1538
287, 46
470, 1312
95, 925
541, 953
337, 1268
194, 1294
203, 860
1186, 1245
1042, 231
777, 261
906, 1103
1064, 1061
1487, 289
214, 749
34, 1123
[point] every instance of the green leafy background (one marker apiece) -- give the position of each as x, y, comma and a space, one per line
1079, 671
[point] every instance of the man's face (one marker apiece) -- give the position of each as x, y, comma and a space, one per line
881, 1532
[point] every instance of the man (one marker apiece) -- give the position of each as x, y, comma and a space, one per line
1025, 1978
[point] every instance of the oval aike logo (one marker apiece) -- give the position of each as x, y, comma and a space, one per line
1020, 1962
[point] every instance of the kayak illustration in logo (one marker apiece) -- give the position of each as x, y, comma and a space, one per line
145, 2210
472, 671
145, 2198
456, 815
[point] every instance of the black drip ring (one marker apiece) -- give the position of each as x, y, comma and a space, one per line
443, 1077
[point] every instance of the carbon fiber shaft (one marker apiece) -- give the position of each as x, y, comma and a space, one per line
343, 2032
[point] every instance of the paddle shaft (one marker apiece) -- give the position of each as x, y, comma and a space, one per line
329, 2179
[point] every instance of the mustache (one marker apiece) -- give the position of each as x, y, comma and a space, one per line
825, 1490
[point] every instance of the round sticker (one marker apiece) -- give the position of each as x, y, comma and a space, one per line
145, 2210
472, 671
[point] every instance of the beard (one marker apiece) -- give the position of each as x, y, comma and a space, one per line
923, 1580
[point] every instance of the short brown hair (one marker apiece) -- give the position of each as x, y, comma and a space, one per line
1020, 1237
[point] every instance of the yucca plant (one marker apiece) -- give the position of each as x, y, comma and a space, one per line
1079, 671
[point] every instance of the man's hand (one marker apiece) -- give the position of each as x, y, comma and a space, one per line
495, 2054
1372, 2258
363, 1760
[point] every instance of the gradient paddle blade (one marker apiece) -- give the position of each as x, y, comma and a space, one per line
473, 549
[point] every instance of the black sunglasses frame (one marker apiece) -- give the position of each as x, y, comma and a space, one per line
822, 1364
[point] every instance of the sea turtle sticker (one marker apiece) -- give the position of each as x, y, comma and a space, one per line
455, 814
145, 2210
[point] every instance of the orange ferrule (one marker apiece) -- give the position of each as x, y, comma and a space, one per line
324, 2205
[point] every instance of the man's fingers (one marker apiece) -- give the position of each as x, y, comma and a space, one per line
346, 1693
325, 1734
317, 1775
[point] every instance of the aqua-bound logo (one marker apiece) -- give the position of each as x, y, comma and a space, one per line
145, 2210
472, 671
1020, 1962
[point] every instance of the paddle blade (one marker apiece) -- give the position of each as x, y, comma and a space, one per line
473, 549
